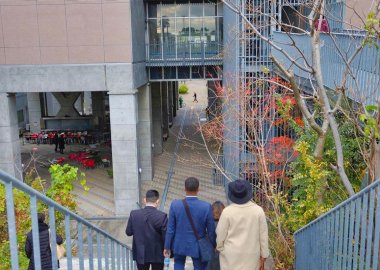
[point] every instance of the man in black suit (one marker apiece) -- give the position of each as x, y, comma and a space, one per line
148, 228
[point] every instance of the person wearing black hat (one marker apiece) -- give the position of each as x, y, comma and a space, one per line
242, 232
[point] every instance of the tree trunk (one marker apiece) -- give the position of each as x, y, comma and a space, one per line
374, 173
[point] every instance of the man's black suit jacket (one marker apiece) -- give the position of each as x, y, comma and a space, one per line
148, 228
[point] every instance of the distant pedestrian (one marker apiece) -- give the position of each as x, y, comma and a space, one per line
45, 251
180, 236
217, 209
148, 228
195, 97
55, 140
242, 232
61, 143
207, 112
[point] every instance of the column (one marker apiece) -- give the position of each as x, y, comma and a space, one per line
170, 103
145, 133
124, 119
98, 109
165, 109
34, 111
156, 117
10, 155
175, 98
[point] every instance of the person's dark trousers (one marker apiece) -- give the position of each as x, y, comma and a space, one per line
179, 263
155, 266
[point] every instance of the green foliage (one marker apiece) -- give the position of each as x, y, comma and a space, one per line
371, 127
62, 183
372, 26
183, 89
110, 173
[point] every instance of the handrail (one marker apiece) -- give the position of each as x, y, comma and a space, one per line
346, 237
10, 183
342, 204
172, 164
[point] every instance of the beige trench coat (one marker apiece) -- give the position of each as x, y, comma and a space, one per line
242, 237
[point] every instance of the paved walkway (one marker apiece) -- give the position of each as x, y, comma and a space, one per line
191, 157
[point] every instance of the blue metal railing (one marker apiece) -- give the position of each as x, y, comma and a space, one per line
363, 82
189, 50
105, 257
172, 163
346, 237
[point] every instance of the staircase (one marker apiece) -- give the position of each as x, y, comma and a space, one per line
191, 160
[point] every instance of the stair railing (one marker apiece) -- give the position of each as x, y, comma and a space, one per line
347, 237
110, 253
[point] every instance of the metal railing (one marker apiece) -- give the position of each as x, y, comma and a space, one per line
172, 163
346, 237
364, 81
110, 253
190, 50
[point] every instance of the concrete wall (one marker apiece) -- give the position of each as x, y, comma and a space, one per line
138, 17
72, 78
356, 12
63, 32
10, 157
156, 117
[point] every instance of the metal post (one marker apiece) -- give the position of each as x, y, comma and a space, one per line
12, 225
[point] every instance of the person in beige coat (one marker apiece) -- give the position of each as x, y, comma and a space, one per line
242, 232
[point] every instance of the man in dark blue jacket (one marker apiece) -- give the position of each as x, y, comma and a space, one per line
148, 228
179, 236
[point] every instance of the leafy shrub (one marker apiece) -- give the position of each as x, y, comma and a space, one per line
183, 89
62, 183
110, 173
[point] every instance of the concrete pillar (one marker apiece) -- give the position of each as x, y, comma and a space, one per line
67, 102
165, 108
156, 117
170, 103
145, 133
124, 119
34, 111
10, 155
175, 98
98, 109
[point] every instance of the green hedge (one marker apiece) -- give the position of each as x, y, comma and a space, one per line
183, 89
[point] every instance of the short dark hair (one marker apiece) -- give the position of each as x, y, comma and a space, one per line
152, 195
41, 217
217, 208
191, 184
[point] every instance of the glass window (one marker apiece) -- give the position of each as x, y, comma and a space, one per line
168, 29
197, 72
168, 10
196, 10
182, 29
183, 72
169, 73
220, 9
209, 29
154, 31
210, 9
154, 10
196, 26
155, 73
182, 10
